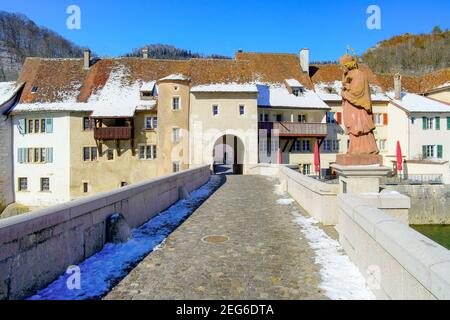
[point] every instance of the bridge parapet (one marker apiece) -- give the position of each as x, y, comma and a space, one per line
38, 247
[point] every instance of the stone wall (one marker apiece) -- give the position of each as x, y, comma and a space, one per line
397, 261
6, 179
38, 247
430, 203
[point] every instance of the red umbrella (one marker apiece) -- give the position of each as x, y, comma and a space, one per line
399, 157
317, 157
279, 156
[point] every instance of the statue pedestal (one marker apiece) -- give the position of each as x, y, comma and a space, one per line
360, 178
359, 159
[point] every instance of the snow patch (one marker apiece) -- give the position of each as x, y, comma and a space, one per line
341, 279
226, 87
285, 202
104, 270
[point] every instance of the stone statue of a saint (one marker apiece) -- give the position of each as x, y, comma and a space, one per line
358, 117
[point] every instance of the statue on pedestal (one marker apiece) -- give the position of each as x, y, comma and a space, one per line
358, 116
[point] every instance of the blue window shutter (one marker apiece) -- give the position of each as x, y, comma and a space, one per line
424, 124
438, 123
21, 126
20, 155
49, 125
49, 155
448, 123
439, 151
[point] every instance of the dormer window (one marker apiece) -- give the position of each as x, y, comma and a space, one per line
296, 92
34, 89
147, 90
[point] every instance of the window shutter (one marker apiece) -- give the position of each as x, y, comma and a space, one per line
20, 155
424, 124
385, 119
49, 125
438, 123
49, 155
339, 117
439, 151
22, 126
448, 123
424, 151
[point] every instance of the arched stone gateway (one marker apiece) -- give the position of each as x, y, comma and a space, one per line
228, 155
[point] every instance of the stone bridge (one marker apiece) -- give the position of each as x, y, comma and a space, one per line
269, 235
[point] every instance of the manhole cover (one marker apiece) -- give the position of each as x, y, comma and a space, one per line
215, 239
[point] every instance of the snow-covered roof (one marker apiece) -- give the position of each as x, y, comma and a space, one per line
332, 91
225, 87
412, 102
293, 83
148, 86
6, 91
279, 96
176, 76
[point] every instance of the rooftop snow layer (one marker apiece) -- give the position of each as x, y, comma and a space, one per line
148, 86
6, 91
279, 96
412, 102
225, 87
175, 76
332, 91
293, 83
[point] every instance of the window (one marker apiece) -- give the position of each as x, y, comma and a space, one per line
147, 152
302, 118
30, 126
296, 92
413, 120
438, 123
175, 88
176, 103
43, 153
176, 135
23, 184
306, 170
306, 145
85, 187
90, 153
279, 117
37, 155
151, 123
123, 184
378, 118
241, 110
34, 89
297, 145
330, 117
327, 145
42, 125
263, 117
45, 184
433, 151
146, 94
336, 146
215, 110
176, 166
36, 126
382, 144
428, 123
87, 123
110, 154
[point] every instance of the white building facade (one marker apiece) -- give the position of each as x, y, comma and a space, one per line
41, 158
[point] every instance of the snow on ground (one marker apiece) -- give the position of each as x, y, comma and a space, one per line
285, 202
341, 279
105, 269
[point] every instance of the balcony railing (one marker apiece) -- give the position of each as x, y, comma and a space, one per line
296, 129
113, 133
413, 179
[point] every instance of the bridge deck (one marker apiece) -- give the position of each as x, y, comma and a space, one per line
266, 255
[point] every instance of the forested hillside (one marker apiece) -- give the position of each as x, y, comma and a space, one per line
411, 54
20, 38
164, 51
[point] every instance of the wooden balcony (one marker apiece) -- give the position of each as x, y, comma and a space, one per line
113, 133
295, 129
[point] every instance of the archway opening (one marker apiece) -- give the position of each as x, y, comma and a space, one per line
228, 155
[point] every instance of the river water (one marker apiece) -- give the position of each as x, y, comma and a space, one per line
438, 233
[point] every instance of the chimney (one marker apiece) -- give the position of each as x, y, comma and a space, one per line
87, 59
304, 60
240, 50
145, 53
398, 86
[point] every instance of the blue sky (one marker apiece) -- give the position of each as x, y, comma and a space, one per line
211, 26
